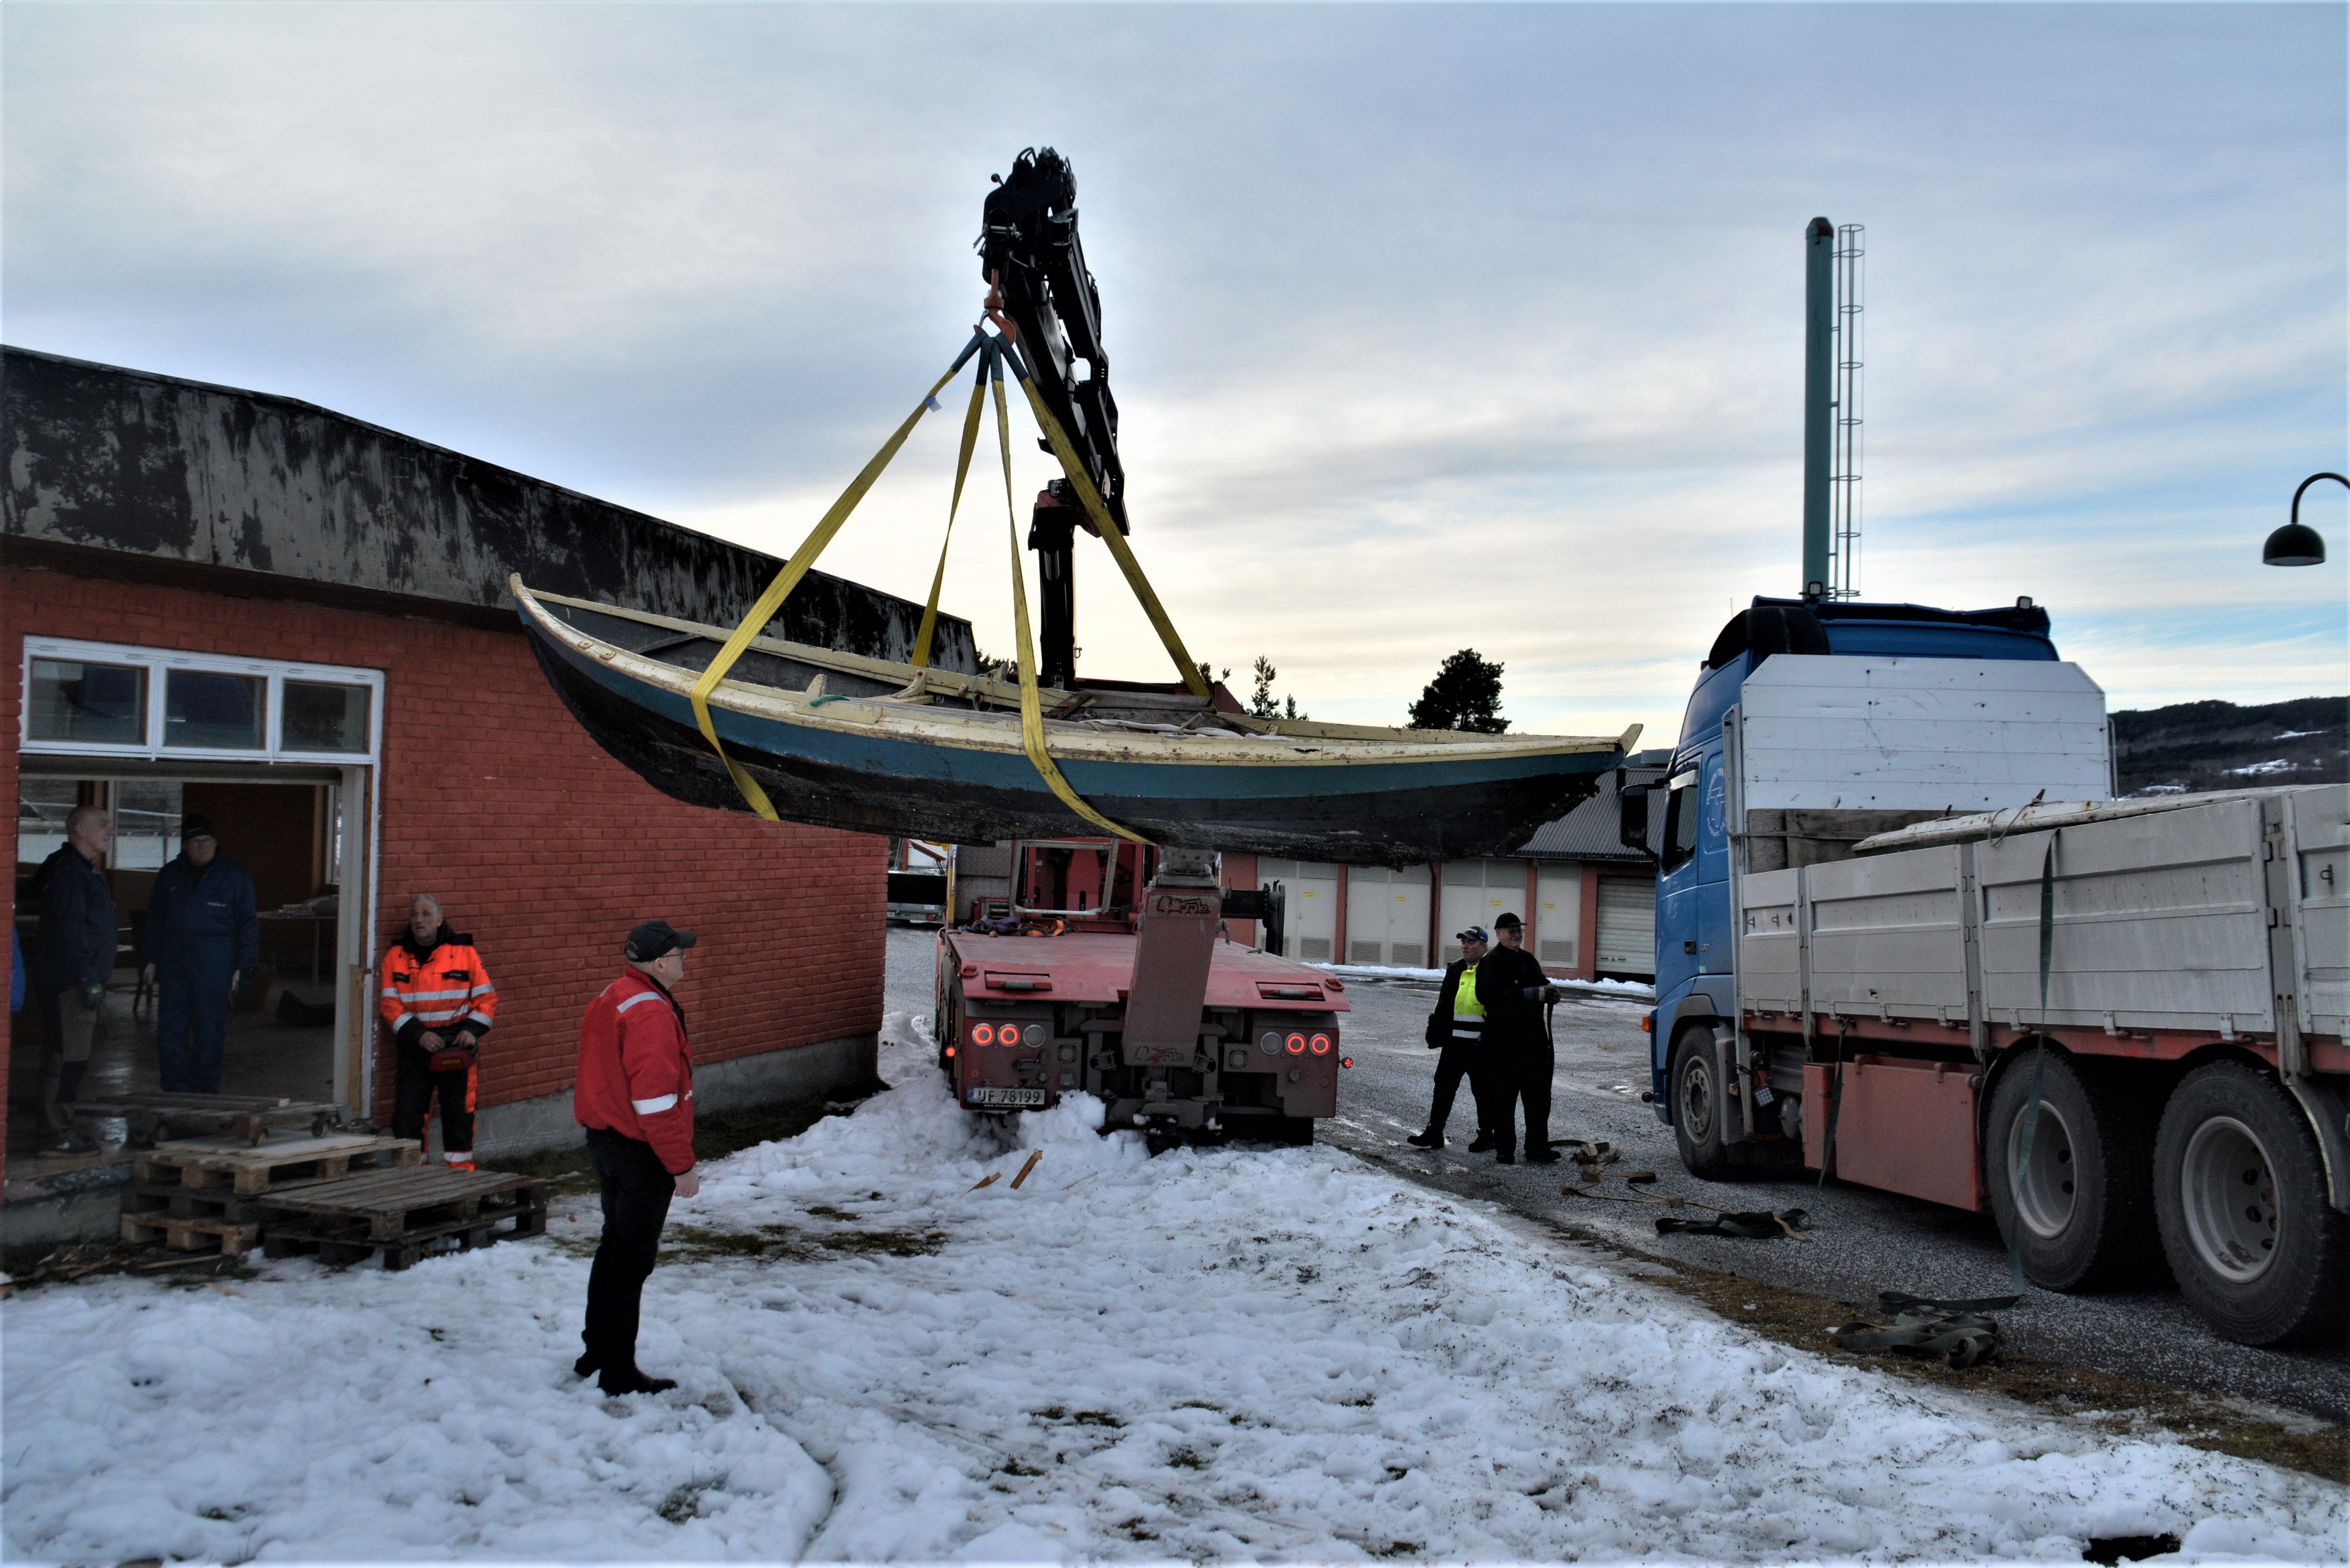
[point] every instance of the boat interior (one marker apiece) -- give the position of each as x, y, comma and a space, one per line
1130, 707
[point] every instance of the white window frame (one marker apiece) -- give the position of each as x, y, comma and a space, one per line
157, 663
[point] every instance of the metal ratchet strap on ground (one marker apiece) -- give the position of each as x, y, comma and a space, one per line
2021, 1165
962, 468
1083, 484
793, 570
1032, 711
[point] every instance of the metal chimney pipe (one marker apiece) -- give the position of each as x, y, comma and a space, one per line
1819, 398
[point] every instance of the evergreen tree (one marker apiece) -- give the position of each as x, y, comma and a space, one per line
1465, 695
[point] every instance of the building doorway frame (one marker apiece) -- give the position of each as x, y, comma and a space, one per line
358, 801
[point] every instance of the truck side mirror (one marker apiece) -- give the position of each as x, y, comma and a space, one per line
1632, 818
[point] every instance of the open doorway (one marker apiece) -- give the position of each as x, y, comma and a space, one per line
296, 1023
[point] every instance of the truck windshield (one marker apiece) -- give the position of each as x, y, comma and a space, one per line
1680, 820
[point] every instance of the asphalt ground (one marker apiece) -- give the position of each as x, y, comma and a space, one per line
1860, 1242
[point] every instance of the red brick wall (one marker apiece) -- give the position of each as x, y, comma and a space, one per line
537, 843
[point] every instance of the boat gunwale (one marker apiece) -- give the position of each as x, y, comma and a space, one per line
1000, 734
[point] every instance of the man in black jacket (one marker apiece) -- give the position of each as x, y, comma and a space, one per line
1515, 989
1457, 1029
77, 952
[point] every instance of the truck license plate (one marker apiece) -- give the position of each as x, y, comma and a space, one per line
987, 1095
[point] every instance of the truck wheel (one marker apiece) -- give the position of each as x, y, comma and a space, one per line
2079, 1212
1694, 1082
2240, 1192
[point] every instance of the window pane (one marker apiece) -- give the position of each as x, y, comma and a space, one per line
220, 712
105, 704
323, 718
146, 823
42, 807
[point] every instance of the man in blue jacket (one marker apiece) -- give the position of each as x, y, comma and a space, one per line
74, 960
202, 933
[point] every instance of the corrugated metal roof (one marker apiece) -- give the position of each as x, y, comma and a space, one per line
1588, 832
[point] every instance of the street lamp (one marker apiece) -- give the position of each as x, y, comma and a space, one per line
2293, 544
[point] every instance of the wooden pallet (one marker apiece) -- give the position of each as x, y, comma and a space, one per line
248, 1117
224, 1163
158, 1202
190, 1235
402, 1215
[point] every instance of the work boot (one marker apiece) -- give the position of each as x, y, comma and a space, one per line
1429, 1139
1481, 1142
632, 1381
69, 1142
1505, 1156
1541, 1154
587, 1365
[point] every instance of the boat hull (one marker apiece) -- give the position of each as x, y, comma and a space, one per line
1384, 814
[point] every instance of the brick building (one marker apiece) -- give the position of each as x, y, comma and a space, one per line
1588, 902
300, 624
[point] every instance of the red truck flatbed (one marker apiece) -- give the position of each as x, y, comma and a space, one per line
1024, 1020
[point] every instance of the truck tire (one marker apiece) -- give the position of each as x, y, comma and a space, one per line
1692, 1079
2081, 1214
2240, 1193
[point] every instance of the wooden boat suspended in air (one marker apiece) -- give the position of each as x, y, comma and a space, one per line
844, 740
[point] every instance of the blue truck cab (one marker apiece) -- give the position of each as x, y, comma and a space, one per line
1699, 824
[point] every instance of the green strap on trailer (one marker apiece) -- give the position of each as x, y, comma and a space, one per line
2039, 1056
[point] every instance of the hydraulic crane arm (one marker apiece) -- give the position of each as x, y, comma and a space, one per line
1029, 254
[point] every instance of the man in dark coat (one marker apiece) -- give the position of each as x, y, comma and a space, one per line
74, 960
1457, 1029
202, 934
1515, 989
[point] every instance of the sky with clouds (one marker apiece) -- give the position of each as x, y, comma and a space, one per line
1431, 326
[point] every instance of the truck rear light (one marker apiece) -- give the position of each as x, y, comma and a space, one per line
951, 1049
1034, 1035
1346, 1061
982, 1033
1271, 1042
1321, 1045
1296, 1044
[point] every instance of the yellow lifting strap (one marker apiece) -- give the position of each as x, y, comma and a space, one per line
962, 467
1083, 484
1032, 713
789, 578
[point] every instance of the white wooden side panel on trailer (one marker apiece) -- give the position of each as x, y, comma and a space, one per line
2318, 830
1889, 937
2159, 922
1770, 947
1820, 732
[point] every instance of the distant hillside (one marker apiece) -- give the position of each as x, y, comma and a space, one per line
2219, 746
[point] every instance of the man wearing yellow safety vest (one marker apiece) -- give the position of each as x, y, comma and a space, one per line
438, 1003
1457, 1030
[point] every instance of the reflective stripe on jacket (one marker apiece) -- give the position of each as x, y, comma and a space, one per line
636, 1069
446, 989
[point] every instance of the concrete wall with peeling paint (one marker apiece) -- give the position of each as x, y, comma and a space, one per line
178, 470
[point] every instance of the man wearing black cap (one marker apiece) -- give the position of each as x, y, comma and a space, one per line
202, 935
1457, 1029
1515, 989
635, 1096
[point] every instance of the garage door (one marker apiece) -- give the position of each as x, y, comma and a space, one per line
1628, 927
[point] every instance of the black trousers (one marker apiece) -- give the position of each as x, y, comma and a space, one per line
1456, 1062
412, 1094
637, 1191
1516, 1074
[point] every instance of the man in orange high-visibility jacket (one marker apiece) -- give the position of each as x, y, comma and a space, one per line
438, 1003
634, 1095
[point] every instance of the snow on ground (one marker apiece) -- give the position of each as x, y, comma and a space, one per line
1208, 1356
1631, 990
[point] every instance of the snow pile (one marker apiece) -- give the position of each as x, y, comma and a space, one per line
1631, 990
1212, 1354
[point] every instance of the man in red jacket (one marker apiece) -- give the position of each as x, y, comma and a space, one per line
635, 1096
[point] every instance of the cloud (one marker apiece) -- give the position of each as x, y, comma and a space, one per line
1432, 327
